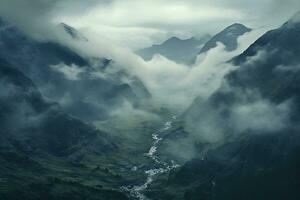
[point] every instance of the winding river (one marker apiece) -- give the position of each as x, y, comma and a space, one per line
159, 166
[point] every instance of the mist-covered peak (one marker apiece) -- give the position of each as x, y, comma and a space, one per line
75, 34
228, 37
237, 27
173, 39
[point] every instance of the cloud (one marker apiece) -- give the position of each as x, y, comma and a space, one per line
139, 23
36, 17
172, 85
248, 101
148, 20
32, 16
261, 116
288, 68
176, 85
155, 13
115, 27
71, 72
258, 116
17, 110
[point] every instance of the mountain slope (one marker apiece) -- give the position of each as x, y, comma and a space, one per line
26, 114
62, 74
178, 50
248, 138
39, 144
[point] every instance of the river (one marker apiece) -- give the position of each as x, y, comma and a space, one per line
159, 166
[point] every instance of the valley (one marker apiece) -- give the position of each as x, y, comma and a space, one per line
194, 116
158, 166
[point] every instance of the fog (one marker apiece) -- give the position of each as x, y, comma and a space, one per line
115, 28
173, 85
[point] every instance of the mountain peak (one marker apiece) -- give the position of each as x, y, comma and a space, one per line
237, 27
176, 49
173, 39
75, 34
227, 36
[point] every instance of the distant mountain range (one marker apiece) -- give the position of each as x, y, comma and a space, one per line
178, 50
186, 51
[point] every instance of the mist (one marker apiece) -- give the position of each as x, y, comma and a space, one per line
171, 85
174, 85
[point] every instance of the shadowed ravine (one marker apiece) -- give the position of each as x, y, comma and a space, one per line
157, 167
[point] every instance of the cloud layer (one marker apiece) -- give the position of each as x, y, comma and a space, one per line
139, 23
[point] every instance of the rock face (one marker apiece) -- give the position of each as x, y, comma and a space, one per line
178, 50
252, 155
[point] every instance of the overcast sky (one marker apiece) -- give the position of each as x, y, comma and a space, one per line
139, 23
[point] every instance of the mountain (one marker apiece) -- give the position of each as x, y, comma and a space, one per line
73, 32
178, 50
60, 132
39, 123
62, 74
246, 134
40, 145
228, 37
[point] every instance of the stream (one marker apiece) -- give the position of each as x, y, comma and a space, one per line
159, 166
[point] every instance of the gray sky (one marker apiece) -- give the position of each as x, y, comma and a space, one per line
139, 23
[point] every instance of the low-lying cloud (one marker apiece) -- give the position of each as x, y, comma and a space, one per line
71, 72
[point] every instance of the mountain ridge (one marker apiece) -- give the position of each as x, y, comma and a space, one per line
227, 36
174, 48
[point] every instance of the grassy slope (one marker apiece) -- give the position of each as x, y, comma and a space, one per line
44, 176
